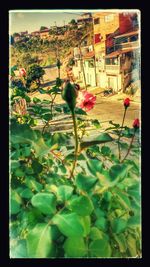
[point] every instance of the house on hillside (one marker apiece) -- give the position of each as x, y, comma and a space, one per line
44, 34
84, 18
35, 33
23, 34
106, 26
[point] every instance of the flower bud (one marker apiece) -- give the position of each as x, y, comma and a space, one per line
69, 94
136, 124
22, 72
127, 102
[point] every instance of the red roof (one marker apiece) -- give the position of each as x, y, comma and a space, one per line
89, 55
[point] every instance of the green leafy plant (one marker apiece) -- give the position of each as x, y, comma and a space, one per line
96, 213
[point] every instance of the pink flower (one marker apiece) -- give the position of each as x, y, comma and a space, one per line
136, 123
22, 72
85, 100
20, 107
127, 102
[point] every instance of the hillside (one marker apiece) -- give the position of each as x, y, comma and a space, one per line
46, 51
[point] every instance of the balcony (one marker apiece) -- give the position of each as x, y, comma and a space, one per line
127, 45
112, 69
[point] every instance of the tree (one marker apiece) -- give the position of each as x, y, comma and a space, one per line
34, 73
43, 28
73, 22
26, 60
16, 34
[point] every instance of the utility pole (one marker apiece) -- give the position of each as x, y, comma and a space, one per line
94, 54
81, 60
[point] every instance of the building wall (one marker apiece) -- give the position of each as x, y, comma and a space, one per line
114, 82
125, 22
101, 79
44, 35
89, 74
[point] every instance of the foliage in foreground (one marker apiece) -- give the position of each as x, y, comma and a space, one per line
94, 213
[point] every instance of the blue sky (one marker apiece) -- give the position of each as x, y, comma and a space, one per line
33, 20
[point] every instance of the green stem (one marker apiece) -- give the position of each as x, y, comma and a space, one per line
52, 103
129, 148
119, 151
76, 143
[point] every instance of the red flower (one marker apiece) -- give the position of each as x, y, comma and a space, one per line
86, 100
127, 102
136, 123
22, 72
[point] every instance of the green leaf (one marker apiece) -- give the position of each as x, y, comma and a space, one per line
103, 138
86, 223
121, 241
131, 243
105, 150
96, 123
45, 202
100, 248
101, 223
26, 193
22, 133
42, 91
33, 185
85, 182
134, 221
37, 167
69, 224
47, 116
119, 171
36, 100
15, 164
15, 202
123, 199
39, 242
81, 205
95, 166
18, 250
19, 172
64, 192
80, 111
118, 225
95, 233
75, 247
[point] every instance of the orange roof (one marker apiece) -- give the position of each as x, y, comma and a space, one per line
89, 55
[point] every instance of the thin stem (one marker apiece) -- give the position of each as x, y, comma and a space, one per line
129, 148
121, 133
76, 143
47, 123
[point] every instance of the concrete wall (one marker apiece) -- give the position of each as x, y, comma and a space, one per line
114, 82
89, 74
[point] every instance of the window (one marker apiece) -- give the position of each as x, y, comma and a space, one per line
134, 38
97, 21
91, 64
109, 18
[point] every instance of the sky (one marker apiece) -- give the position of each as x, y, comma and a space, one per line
32, 21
